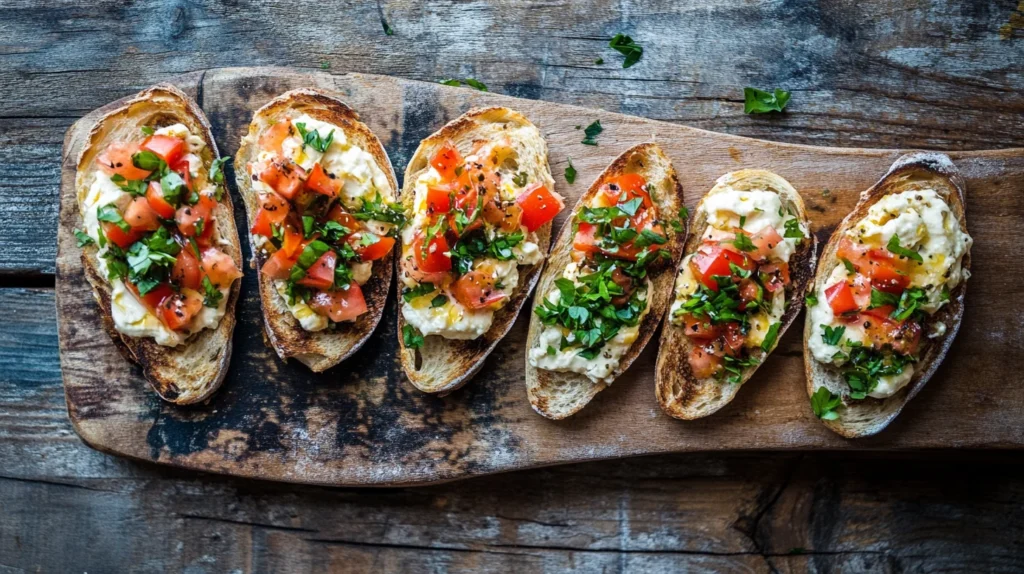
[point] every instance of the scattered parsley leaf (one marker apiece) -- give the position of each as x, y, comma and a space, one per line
591, 132
217, 169
418, 291
83, 238
793, 230
411, 337
475, 84
313, 139
570, 173
110, 214
212, 294
743, 242
147, 130
451, 82
761, 102
894, 247
824, 404
627, 47
769, 339
811, 300
832, 335
599, 61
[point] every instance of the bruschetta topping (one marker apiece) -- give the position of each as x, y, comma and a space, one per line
473, 225
896, 268
593, 314
731, 293
326, 214
151, 211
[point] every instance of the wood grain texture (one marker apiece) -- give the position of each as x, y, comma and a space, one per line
362, 423
863, 74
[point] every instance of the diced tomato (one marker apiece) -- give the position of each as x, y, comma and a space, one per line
446, 160
433, 258
586, 238
373, 251
183, 169
439, 199
631, 184
117, 158
121, 238
168, 148
343, 218
840, 298
277, 207
293, 244
475, 290
177, 310
283, 176
508, 217
279, 265
882, 312
749, 293
141, 216
322, 183
272, 139
903, 337
853, 252
539, 206
320, 274
155, 197
734, 338
775, 276
154, 296
340, 304
262, 225
712, 261
700, 327
187, 271
468, 188
219, 267
888, 274
704, 364
188, 216
764, 241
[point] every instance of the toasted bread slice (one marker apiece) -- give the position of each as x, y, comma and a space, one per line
556, 394
442, 365
318, 350
191, 372
868, 416
680, 393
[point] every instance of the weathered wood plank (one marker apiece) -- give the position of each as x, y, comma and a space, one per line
866, 74
278, 421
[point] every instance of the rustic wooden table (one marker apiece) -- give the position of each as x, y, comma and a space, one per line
941, 75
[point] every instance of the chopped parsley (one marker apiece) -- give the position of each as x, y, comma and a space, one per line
910, 303
438, 301
824, 404
150, 260
82, 238
882, 298
894, 247
570, 173
418, 291
134, 188
793, 230
475, 84
217, 175
832, 335
811, 300
757, 101
627, 47
377, 210
743, 242
591, 132
212, 295
411, 337
519, 179
733, 367
110, 214
473, 246
147, 130
313, 139
866, 365
769, 339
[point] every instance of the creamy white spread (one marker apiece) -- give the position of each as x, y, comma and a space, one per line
362, 180
130, 316
452, 320
924, 223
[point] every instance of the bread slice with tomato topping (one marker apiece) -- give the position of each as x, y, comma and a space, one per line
607, 283
320, 193
738, 288
159, 245
480, 201
888, 296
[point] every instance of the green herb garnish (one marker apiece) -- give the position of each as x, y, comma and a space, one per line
769, 339
793, 230
313, 139
824, 404
757, 101
570, 173
82, 238
627, 47
591, 133
212, 294
411, 337
894, 247
832, 335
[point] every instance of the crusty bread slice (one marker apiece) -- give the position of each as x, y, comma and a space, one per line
191, 372
557, 395
443, 365
859, 418
680, 394
318, 350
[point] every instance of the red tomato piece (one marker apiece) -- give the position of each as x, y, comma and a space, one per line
177, 310
262, 224
322, 183
704, 364
293, 244
121, 238
700, 328
433, 258
154, 297
182, 169
219, 267
343, 218
141, 216
734, 338
155, 197
475, 290
374, 251
340, 304
539, 206
748, 293
320, 274
840, 298
284, 177
117, 158
187, 271
764, 241
624, 188
446, 160
439, 199
170, 149
188, 217
775, 276
272, 139
278, 265
712, 261
887, 275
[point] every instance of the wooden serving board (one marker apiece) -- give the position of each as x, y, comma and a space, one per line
362, 423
